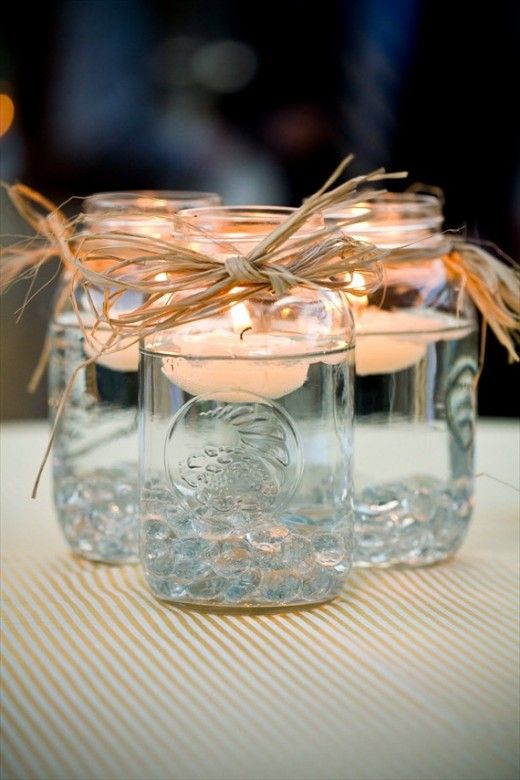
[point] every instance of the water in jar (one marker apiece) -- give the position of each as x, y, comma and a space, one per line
95, 450
246, 499
415, 419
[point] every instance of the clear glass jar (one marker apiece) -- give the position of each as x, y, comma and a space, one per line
95, 449
245, 442
416, 366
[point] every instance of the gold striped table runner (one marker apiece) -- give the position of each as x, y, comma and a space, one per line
410, 674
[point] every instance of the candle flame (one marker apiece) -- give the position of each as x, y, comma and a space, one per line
6, 113
240, 317
165, 299
357, 282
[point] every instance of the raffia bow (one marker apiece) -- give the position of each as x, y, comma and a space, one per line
197, 285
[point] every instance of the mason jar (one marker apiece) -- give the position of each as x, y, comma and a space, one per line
246, 439
415, 389
95, 449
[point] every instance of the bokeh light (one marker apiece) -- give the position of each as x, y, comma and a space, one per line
224, 66
6, 113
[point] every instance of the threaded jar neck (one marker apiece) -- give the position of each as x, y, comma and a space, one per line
393, 220
148, 212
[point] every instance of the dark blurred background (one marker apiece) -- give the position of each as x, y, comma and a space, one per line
258, 102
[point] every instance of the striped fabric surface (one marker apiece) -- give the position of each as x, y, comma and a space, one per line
410, 674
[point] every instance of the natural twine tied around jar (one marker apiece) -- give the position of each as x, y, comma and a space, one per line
180, 285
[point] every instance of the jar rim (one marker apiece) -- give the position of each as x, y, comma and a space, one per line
419, 198
148, 201
390, 212
263, 218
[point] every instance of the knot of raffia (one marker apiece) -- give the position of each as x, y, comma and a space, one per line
243, 271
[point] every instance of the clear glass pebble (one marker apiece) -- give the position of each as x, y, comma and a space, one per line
320, 584
379, 499
298, 554
329, 549
193, 558
168, 589
159, 557
234, 558
156, 528
422, 498
280, 586
243, 586
207, 588
266, 542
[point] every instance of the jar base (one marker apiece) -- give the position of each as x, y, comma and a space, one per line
416, 563
245, 608
252, 591
130, 560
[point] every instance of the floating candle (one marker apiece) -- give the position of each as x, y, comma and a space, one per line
389, 341
256, 366
250, 367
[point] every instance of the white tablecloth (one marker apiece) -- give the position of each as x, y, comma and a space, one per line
410, 674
